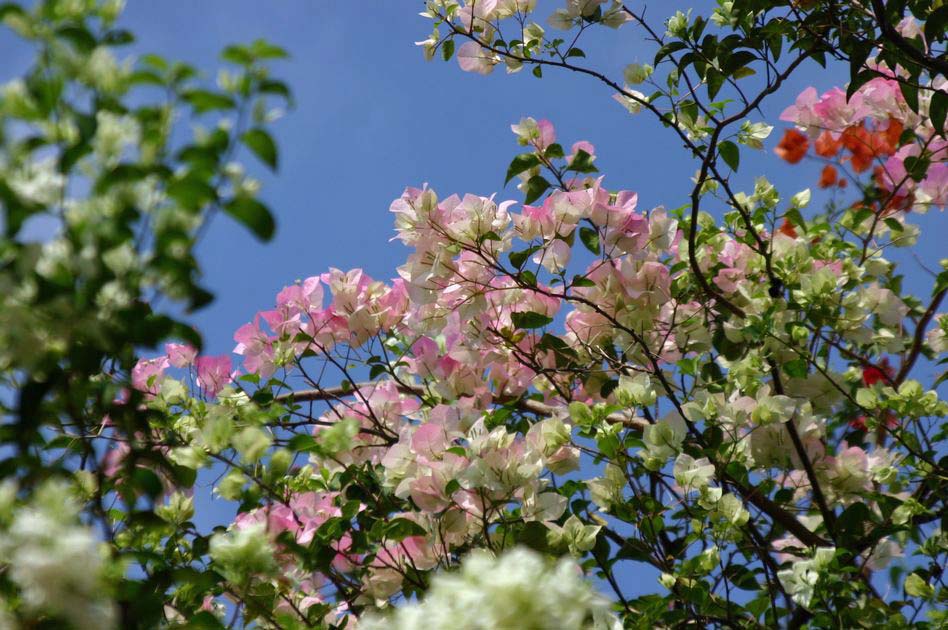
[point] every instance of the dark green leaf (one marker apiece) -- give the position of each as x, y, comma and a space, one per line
742, 577
263, 146
146, 481
521, 163
796, 368
79, 36
253, 214
911, 95
530, 320
272, 86
401, 528
937, 110
936, 24
730, 153
262, 49
917, 167
191, 192
555, 150
517, 259
205, 101
590, 238
536, 186
715, 81
303, 444
119, 37
582, 163
237, 55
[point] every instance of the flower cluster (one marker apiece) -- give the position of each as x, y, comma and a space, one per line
57, 563
874, 127
490, 371
517, 590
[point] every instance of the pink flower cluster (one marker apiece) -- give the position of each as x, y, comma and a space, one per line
870, 126
360, 308
213, 372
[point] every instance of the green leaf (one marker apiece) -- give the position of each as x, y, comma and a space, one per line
206, 101
590, 238
860, 215
303, 444
917, 167
521, 163
911, 95
517, 259
146, 481
937, 110
79, 36
894, 225
402, 528
742, 577
858, 81
936, 24
530, 320
793, 215
555, 150
203, 620
118, 37
582, 163
447, 49
279, 88
715, 81
262, 49
121, 174
858, 54
262, 145
237, 55
731, 350
145, 76
191, 192
536, 186
796, 368
253, 214
730, 153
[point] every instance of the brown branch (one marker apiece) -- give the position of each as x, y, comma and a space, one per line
916, 349
522, 404
829, 517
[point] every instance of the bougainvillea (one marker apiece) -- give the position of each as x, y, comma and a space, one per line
567, 410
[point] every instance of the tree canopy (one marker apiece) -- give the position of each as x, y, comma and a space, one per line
565, 410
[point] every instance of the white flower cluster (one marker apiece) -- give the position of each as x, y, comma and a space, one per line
517, 590
801, 578
239, 554
57, 564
